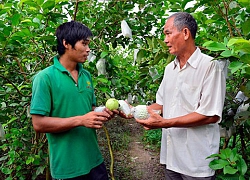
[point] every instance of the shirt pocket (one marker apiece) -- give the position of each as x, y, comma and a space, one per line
189, 97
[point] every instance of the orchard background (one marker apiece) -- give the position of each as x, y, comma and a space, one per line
134, 67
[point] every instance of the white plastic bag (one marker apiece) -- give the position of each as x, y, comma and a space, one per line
91, 57
124, 107
240, 97
2, 133
135, 55
101, 67
153, 73
126, 31
99, 109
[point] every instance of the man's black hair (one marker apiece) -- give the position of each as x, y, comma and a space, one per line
71, 32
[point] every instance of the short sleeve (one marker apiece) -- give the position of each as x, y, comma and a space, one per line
41, 95
213, 92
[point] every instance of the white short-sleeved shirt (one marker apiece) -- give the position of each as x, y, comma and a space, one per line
198, 87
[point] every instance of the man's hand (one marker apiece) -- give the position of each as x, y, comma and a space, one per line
96, 119
111, 113
153, 122
123, 115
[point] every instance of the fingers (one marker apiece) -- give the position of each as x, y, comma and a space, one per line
146, 128
106, 114
145, 123
111, 113
150, 111
98, 125
123, 115
115, 112
141, 121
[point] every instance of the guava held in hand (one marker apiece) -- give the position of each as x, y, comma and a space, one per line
140, 112
112, 104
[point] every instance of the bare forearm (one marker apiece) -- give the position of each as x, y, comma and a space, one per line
190, 120
92, 119
45, 124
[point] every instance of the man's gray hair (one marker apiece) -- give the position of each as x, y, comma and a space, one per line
185, 20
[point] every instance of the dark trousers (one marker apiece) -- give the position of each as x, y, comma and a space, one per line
171, 175
97, 173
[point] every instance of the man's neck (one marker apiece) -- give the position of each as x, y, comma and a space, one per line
183, 58
68, 63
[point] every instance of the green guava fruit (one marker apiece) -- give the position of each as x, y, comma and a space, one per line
112, 104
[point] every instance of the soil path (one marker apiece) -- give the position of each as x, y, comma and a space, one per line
134, 161
145, 162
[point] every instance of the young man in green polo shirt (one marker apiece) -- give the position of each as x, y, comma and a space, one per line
62, 106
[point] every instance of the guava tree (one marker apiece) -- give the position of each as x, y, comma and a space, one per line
133, 65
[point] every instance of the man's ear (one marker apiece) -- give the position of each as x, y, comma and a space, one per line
65, 44
186, 33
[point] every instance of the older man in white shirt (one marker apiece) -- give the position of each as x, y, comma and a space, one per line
191, 98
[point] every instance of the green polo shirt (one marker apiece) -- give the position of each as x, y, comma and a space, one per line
55, 94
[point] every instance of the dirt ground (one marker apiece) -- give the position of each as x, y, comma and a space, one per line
132, 160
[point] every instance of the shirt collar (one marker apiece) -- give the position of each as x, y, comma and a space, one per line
193, 59
61, 68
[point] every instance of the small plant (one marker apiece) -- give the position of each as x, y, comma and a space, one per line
229, 164
152, 138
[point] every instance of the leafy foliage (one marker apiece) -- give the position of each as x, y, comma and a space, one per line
232, 164
133, 65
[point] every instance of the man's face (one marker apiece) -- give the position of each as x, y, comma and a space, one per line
174, 39
81, 51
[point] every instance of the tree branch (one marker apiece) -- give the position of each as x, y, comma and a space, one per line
14, 86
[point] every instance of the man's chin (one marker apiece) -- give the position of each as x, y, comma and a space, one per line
171, 52
83, 60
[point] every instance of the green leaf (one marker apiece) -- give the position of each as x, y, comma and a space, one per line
242, 166
104, 54
226, 153
244, 3
140, 55
226, 53
163, 44
7, 170
26, 21
149, 41
246, 27
245, 58
154, 43
235, 66
29, 160
40, 170
7, 30
215, 46
48, 5
158, 57
39, 2
229, 170
15, 19
233, 155
242, 177
234, 41
218, 164
213, 156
